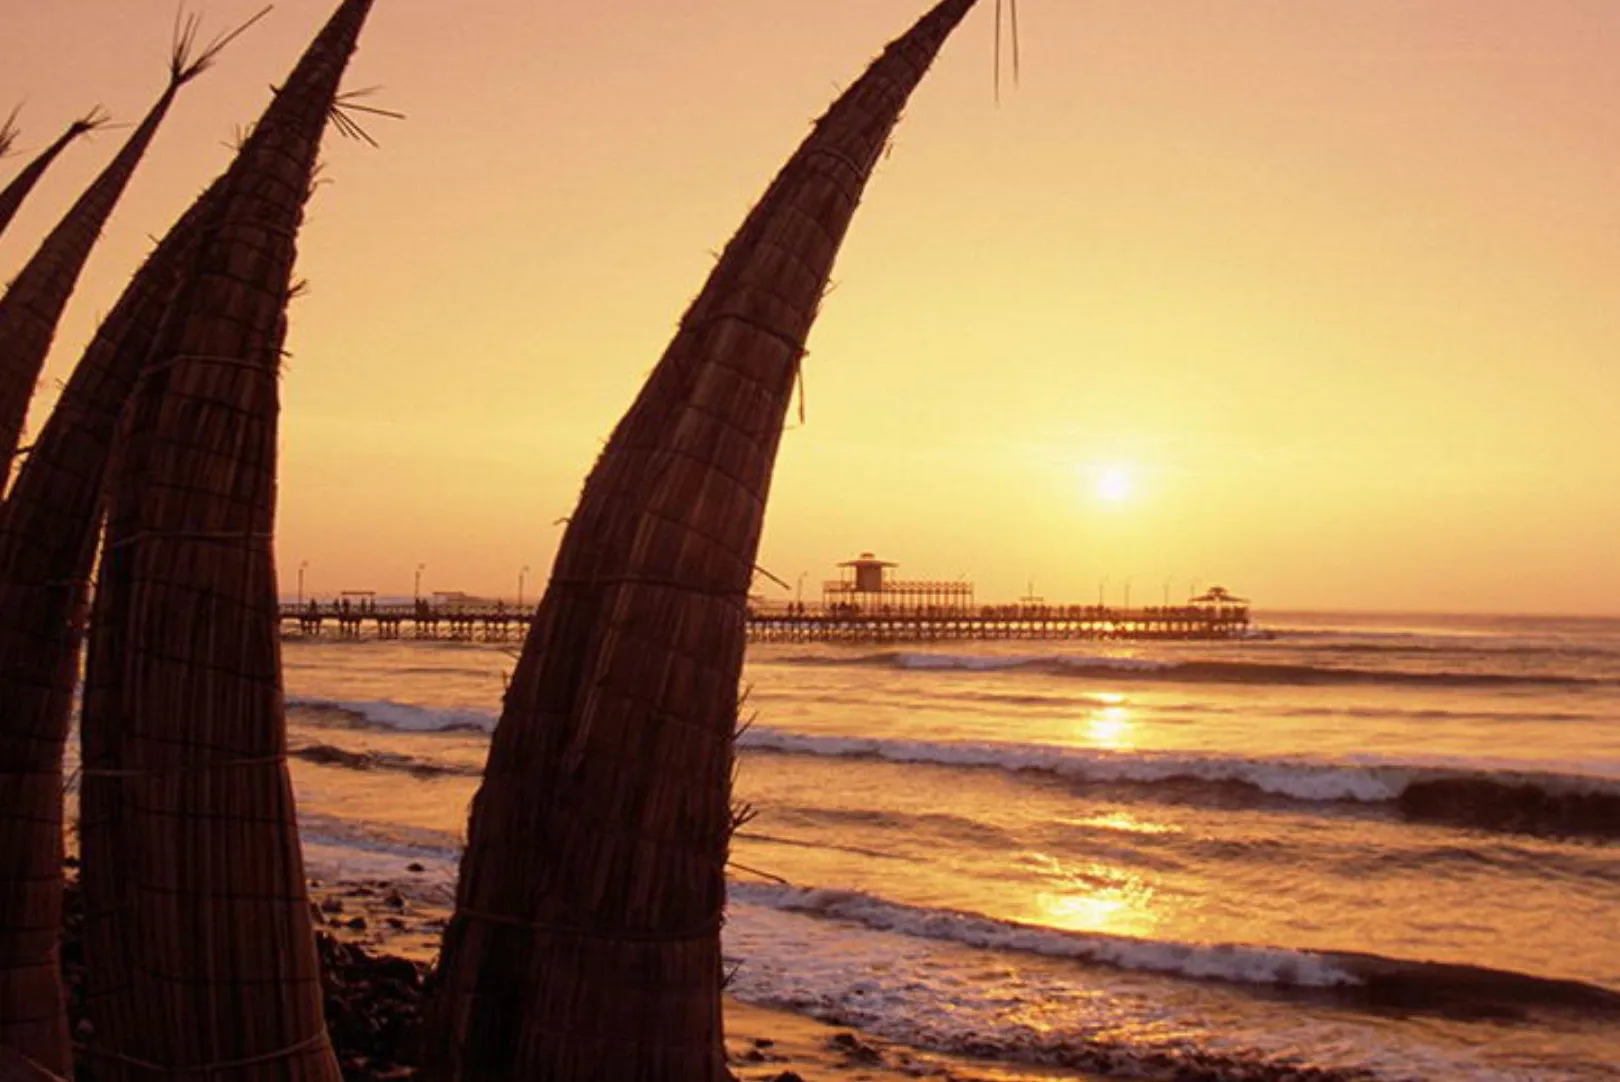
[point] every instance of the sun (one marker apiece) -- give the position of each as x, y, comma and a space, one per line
1113, 484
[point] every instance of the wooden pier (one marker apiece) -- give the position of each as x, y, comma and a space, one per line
796, 623
863, 605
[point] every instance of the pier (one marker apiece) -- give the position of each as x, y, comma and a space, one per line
790, 622
864, 605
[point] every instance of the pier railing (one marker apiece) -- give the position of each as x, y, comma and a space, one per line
795, 622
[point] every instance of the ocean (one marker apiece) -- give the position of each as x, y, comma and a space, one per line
1367, 847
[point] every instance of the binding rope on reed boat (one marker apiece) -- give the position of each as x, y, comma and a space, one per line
189, 768
207, 1070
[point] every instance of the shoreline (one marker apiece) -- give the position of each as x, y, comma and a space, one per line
377, 947
763, 1044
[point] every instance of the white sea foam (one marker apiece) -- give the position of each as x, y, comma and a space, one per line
1241, 964
339, 850
1299, 780
404, 717
873, 969
1366, 782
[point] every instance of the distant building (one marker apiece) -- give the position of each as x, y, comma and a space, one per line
1220, 599
864, 587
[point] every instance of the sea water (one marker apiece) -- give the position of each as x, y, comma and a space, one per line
1368, 847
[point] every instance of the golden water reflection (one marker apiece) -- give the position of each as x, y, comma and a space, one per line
1111, 727
1123, 822
1097, 897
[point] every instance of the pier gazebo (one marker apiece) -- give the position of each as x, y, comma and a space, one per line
864, 587
1220, 602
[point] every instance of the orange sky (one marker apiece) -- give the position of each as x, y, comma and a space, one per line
1333, 282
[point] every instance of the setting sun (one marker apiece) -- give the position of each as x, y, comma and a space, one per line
1113, 484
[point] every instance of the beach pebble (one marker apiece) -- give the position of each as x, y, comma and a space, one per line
357, 924
854, 1048
414, 867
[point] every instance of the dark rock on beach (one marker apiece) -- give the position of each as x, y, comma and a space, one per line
374, 1009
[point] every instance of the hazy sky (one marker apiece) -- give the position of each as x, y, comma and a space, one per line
1331, 283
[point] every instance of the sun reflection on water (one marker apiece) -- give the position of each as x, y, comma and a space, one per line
1111, 727
1096, 897
1123, 822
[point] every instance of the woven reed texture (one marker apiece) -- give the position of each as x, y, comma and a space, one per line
198, 941
14, 193
33, 305
586, 942
48, 530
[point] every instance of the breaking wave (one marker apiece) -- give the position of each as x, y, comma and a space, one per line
1366, 979
1190, 672
1246, 965
1499, 800
405, 717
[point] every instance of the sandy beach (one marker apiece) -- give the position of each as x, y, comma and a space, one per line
764, 1045
377, 950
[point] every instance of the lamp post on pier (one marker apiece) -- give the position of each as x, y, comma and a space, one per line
302, 564
1167, 583
1101, 587
521, 572
419, 569
1128, 579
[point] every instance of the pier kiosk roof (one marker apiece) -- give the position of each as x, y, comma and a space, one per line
1219, 595
869, 571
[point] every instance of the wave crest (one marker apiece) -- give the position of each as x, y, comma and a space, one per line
1189, 672
403, 717
1368, 979
1489, 799
1247, 965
